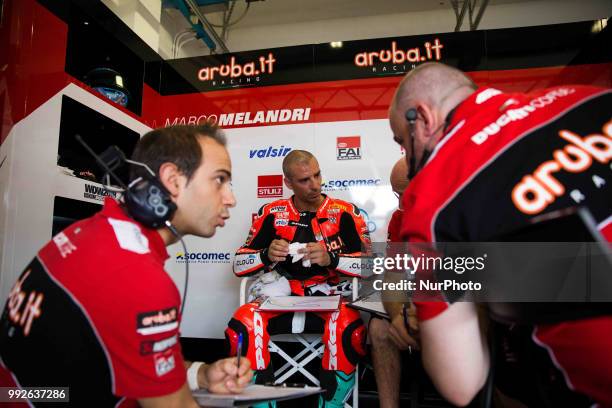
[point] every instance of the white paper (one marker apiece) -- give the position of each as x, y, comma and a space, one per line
301, 303
252, 393
370, 303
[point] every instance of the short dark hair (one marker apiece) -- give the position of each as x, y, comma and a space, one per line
296, 157
174, 144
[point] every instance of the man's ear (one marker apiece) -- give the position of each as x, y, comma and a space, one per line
428, 117
288, 183
171, 178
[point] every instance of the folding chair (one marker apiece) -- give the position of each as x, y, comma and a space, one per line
312, 343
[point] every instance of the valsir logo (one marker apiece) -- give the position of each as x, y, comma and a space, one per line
269, 151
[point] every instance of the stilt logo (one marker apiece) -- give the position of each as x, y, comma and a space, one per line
270, 186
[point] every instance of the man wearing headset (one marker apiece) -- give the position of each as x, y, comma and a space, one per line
95, 310
333, 235
480, 162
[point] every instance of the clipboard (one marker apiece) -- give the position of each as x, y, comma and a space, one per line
300, 304
253, 394
371, 303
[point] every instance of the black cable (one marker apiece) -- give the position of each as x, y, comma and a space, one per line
236, 21
180, 238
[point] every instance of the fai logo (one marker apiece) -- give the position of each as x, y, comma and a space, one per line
270, 186
348, 148
269, 152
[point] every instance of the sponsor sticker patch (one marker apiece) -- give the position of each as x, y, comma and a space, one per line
157, 321
270, 186
151, 346
164, 363
348, 148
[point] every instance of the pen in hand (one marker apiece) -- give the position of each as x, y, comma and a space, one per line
239, 353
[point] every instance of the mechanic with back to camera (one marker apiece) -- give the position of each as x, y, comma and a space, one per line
482, 162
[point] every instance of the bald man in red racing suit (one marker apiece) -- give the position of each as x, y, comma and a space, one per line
336, 236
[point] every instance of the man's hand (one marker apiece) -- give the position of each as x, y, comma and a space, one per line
316, 253
278, 250
225, 377
398, 332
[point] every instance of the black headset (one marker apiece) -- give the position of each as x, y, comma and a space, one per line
411, 116
146, 199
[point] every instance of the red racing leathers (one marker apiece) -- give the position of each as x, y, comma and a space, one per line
340, 227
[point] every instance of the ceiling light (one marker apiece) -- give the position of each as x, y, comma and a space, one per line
599, 25
336, 44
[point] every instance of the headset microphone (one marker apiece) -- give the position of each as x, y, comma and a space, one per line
411, 117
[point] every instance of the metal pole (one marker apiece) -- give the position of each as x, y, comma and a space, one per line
460, 19
210, 30
483, 6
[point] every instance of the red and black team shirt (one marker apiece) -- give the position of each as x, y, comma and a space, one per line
95, 311
505, 159
509, 157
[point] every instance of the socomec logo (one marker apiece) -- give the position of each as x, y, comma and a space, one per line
203, 257
348, 183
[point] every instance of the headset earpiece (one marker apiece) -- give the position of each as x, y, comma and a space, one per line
411, 115
148, 202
